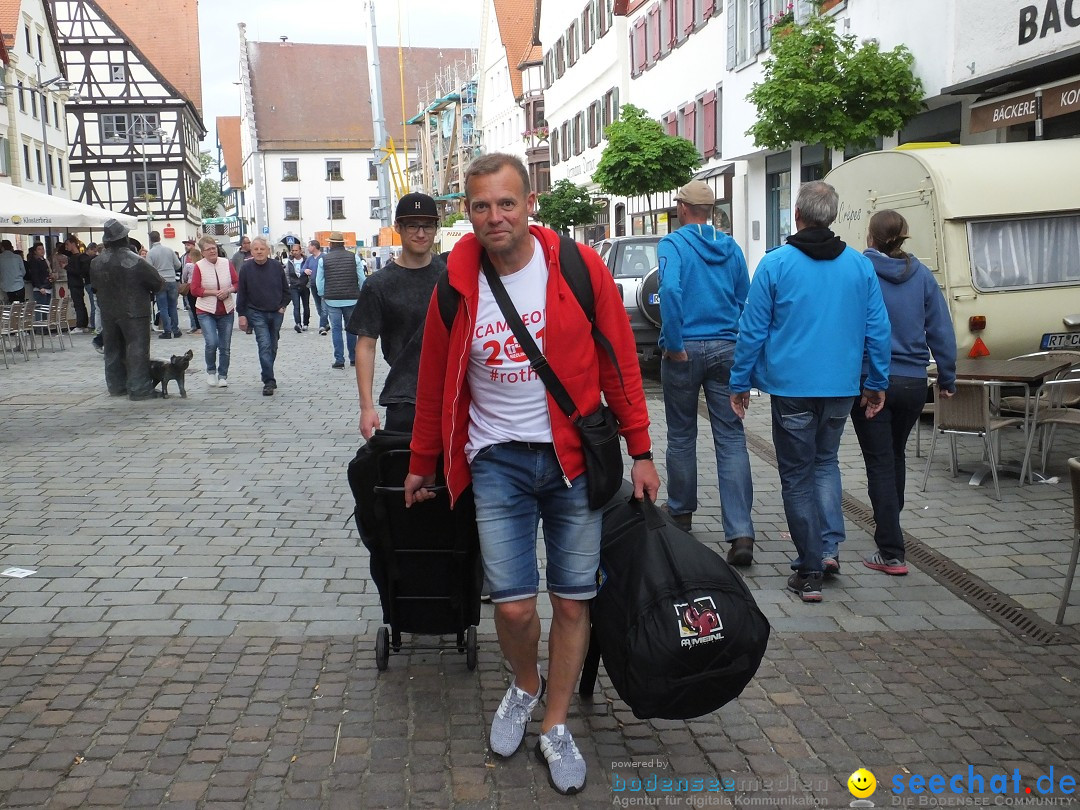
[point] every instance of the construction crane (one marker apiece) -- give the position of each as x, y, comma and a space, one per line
393, 166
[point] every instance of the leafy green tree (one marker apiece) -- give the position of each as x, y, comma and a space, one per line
819, 86
565, 206
640, 159
210, 196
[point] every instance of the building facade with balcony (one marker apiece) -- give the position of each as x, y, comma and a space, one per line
137, 125
511, 92
308, 157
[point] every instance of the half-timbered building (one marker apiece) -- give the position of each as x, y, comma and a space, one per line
136, 128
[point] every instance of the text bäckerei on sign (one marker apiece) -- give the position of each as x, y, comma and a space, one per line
1022, 108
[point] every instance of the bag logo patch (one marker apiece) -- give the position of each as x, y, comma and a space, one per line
699, 623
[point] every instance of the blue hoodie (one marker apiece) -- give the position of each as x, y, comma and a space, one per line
919, 317
814, 308
703, 284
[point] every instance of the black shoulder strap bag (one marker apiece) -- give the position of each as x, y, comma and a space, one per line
599, 430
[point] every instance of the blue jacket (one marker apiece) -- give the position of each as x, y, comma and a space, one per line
703, 284
919, 316
814, 308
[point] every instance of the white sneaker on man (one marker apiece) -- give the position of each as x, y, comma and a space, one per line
222, 382
212, 380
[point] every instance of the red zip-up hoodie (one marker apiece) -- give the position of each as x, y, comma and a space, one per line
441, 426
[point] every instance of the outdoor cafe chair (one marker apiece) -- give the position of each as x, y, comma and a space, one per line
1074, 475
63, 324
967, 413
27, 335
8, 315
1070, 398
1051, 412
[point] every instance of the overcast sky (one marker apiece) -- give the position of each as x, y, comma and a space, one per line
422, 23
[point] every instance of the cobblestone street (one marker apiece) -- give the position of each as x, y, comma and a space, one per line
199, 628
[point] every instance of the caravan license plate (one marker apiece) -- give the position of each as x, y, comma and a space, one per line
1060, 340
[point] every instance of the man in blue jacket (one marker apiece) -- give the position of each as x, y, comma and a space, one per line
703, 284
814, 309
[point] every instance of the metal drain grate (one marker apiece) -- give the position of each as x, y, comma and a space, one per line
976, 592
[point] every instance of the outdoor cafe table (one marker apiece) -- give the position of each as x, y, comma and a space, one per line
998, 371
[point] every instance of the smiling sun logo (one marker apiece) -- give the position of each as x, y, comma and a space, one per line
862, 784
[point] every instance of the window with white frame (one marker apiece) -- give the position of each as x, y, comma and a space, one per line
144, 127
376, 207
289, 171
336, 208
117, 73
333, 169
292, 209
113, 127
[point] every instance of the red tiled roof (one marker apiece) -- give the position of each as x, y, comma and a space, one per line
9, 20
228, 134
167, 34
515, 21
309, 96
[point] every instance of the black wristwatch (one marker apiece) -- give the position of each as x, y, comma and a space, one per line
646, 456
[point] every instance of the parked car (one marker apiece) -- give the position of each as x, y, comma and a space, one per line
632, 262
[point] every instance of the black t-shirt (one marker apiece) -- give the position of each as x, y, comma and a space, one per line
391, 308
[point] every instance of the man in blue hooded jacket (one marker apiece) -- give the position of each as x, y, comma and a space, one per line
813, 312
703, 284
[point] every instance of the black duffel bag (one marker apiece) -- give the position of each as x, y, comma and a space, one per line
678, 630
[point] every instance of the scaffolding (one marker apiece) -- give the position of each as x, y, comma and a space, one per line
447, 137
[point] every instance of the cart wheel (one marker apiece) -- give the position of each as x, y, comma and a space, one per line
382, 648
470, 648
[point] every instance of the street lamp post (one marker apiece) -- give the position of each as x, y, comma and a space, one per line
61, 84
139, 125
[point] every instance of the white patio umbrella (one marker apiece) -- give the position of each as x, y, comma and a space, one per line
25, 211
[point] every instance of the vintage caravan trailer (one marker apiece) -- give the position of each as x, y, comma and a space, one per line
998, 224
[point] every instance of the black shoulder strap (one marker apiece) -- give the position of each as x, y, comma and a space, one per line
448, 298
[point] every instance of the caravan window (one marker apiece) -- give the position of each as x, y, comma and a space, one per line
1032, 252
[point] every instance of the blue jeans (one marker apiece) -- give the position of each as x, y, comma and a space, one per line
324, 321
514, 487
708, 367
806, 434
339, 316
217, 340
267, 328
166, 304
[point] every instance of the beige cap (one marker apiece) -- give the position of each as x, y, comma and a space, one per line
336, 236
696, 192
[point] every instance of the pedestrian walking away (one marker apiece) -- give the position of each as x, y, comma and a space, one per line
813, 310
392, 306
339, 281
262, 294
166, 263
242, 254
921, 326
483, 410
213, 283
703, 284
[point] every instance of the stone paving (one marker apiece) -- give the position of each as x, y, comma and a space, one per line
200, 625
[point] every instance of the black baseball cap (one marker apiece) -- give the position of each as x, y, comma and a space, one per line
415, 204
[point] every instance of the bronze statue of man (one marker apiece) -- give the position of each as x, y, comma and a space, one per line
123, 283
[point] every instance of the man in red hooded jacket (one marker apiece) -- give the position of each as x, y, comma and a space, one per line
481, 406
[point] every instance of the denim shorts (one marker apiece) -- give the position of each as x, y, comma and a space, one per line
515, 486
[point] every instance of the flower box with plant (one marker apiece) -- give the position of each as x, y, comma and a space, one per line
782, 19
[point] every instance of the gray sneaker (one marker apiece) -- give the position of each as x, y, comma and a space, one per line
511, 718
566, 767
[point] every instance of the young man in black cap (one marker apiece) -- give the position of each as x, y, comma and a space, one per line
392, 305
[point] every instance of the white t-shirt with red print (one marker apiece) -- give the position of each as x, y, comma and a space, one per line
509, 400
